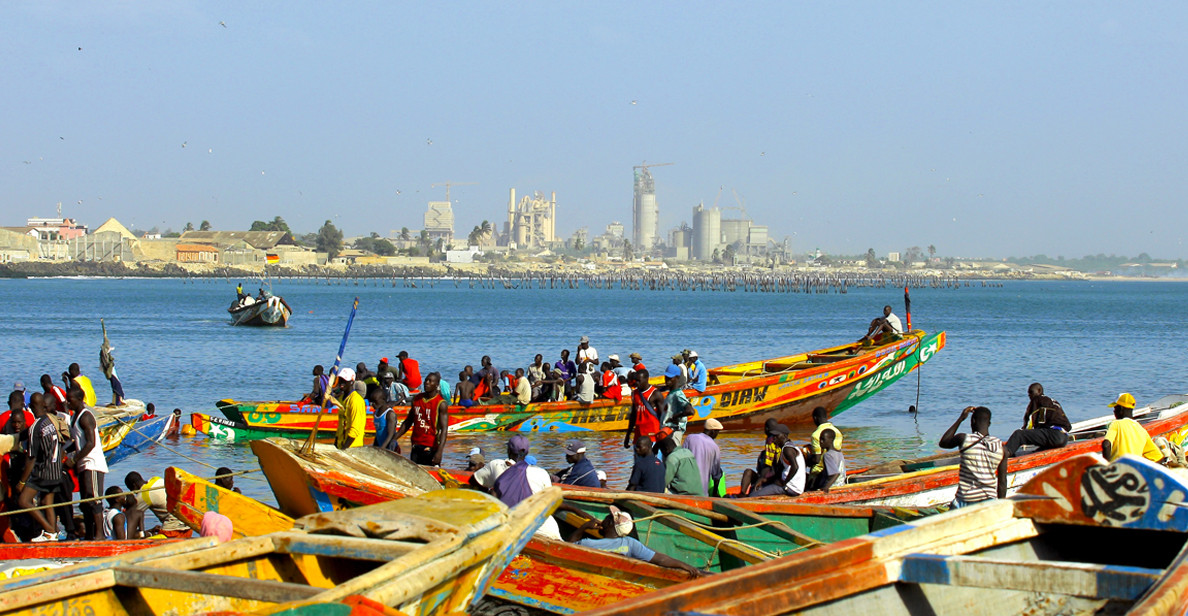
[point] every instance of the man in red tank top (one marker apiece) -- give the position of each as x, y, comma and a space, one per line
410, 371
644, 419
428, 418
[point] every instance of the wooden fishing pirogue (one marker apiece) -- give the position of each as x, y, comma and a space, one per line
741, 396
1081, 537
712, 534
932, 481
576, 578
432, 554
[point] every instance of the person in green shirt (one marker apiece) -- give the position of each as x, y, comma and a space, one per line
681, 474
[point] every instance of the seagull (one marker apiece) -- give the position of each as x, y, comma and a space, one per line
634, 102
223, 24
210, 150
28, 162
763, 153
184, 143
428, 142
397, 191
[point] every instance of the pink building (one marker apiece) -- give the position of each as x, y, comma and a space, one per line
55, 228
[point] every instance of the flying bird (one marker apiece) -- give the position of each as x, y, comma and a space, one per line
223, 24
428, 142
184, 143
634, 102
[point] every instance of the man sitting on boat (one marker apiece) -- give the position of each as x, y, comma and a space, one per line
886, 324
616, 530
581, 471
1127, 436
1044, 423
816, 456
982, 474
513, 479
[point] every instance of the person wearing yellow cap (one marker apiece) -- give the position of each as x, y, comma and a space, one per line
1127, 436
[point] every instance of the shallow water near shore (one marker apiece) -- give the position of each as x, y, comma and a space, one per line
1085, 341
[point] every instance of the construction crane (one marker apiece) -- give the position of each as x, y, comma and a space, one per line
449, 184
645, 165
742, 205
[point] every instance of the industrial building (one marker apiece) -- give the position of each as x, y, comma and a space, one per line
711, 233
645, 213
532, 222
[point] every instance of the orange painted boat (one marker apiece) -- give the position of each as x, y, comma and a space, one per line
714, 534
1082, 537
932, 481
741, 396
76, 550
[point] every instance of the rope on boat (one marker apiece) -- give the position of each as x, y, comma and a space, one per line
107, 496
172, 450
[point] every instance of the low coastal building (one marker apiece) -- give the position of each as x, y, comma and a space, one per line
197, 253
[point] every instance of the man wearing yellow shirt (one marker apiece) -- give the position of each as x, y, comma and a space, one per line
74, 377
352, 412
1127, 436
821, 419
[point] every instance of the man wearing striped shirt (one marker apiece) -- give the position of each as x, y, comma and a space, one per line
982, 475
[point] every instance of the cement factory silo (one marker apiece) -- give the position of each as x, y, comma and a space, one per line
707, 232
645, 214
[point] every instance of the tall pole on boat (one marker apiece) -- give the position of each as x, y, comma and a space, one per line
313, 435
907, 308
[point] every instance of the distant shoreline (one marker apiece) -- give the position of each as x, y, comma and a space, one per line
513, 270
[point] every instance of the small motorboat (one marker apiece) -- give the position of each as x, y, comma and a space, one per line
264, 310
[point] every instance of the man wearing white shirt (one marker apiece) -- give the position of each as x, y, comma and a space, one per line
886, 324
587, 356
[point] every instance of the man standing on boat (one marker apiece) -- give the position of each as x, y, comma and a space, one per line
698, 375
676, 405
73, 376
886, 324
587, 356
982, 474
410, 370
1044, 423
429, 419
646, 401
352, 412
1127, 436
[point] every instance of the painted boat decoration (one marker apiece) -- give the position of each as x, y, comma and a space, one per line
741, 396
189, 497
326, 478
75, 550
272, 311
141, 436
1041, 552
116, 422
932, 481
223, 429
714, 534
428, 555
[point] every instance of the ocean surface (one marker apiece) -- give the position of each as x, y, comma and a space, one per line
1085, 341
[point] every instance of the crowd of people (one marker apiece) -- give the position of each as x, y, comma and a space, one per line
51, 449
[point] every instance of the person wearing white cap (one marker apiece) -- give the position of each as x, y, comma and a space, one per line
708, 456
352, 411
616, 528
698, 375
587, 356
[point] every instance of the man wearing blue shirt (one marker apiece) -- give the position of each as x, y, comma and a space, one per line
698, 376
616, 529
582, 472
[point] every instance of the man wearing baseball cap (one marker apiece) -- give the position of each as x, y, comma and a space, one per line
1127, 436
352, 411
514, 478
475, 459
581, 471
708, 456
616, 530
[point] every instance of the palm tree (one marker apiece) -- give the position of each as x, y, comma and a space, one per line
405, 234
931, 251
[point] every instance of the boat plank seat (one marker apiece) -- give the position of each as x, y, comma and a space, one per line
1047, 577
725, 545
212, 584
775, 527
342, 547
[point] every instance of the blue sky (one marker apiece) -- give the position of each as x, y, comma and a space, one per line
986, 129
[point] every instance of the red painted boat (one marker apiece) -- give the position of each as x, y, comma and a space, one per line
76, 550
932, 481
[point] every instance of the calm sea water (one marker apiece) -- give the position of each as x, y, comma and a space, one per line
1086, 342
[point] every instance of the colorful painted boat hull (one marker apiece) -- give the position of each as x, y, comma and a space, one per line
189, 497
141, 436
746, 396
1044, 553
935, 486
222, 429
437, 556
116, 423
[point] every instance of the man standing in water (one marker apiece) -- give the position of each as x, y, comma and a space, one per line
429, 420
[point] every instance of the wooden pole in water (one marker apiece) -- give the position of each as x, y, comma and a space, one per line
313, 435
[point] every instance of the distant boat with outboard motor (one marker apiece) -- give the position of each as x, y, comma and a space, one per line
264, 310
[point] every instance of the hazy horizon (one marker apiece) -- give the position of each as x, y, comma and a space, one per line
985, 129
